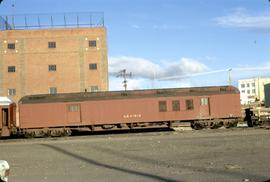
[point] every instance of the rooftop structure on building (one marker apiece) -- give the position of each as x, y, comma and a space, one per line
49, 21
252, 90
59, 53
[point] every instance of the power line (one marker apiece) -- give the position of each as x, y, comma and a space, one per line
214, 71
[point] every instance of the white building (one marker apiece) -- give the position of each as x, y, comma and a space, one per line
252, 90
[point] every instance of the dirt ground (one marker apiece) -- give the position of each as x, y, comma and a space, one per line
206, 155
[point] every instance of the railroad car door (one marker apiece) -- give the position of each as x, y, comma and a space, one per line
74, 113
204, 107
4, 117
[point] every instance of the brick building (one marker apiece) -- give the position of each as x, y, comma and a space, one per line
53, 60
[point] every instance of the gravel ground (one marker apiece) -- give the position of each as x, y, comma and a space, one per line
206, 155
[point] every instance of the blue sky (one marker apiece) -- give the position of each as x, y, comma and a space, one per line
175, 43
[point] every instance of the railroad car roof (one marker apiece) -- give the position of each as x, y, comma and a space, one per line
84, 96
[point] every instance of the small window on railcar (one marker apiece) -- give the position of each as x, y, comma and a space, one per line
223, 89
176, 105
204, 101
73, 108
189, 104
162, 106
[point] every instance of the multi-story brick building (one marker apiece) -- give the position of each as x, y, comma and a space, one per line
53, 60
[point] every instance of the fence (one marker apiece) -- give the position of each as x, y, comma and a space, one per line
46, 21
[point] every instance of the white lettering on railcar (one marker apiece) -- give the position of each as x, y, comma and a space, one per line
132, 116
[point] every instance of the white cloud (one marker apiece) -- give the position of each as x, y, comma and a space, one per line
139, 67
241, 18
145, 73
135, 26
183, 67
185, 72
144, 68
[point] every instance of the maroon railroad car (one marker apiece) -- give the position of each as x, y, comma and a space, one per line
60, 113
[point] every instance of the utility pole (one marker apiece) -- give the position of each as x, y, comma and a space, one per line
123, 73
230, 78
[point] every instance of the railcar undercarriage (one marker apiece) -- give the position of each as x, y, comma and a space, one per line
67, 131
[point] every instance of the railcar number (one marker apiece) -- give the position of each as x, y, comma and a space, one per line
132, 116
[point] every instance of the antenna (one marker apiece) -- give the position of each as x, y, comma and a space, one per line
123, 73
13, 12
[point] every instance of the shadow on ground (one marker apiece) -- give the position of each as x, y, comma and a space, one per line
96, 163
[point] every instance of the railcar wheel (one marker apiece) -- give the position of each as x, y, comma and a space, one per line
67, 132
216, 125
196, 125
29, 134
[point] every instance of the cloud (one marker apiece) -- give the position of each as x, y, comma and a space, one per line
135, 26
184, 66
146, 73
147, 69
140, 67
241, 18
186, 72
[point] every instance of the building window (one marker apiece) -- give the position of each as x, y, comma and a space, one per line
11, 91
92, 43
52, 90
243, 91
73, 108
253, 84
248, 91
93, 66
247, 84
94, 88
52, 67
11, 69
189, 104
162, 106
253, 91
176, 105
242, 85
11, 46
204, 101
51, 44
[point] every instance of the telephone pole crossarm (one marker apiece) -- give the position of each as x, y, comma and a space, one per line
123, 73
